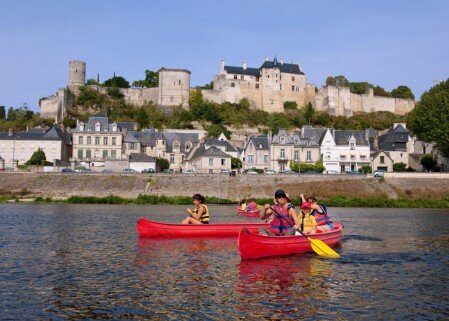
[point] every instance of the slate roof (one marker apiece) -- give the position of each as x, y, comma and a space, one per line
53, 133
289, 138
313, 134
284, 68
129, 126
342, 137
149, 137
130, 138
141, 158
212, 151
260, 142
214, 141
395, 139
100, 118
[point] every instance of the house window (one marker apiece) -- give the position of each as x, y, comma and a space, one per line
293, 88
296, 157
80, 140
114, 140
257, 86
362, 156
250, 159
97, 140
179, 82
211, 162
105, 140
89, 128
211, 171
132, 145
282, 167
105, 153
80, 154
280, 86
232, 84
89, 140
88, 153
352, 145
293, 78
235, 76
309, 156
282, 153
223, 161
343, 156
175, 145
352, 156
113, 154
172, 158
382, 159
265, 159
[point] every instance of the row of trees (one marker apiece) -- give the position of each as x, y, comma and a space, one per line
151, 80
363, 86
20, 118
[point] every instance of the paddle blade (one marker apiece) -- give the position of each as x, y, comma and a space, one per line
323, 249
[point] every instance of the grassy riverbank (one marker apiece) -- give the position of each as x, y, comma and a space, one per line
381, 201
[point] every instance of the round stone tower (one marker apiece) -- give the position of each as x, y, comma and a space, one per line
174, 87
77, 73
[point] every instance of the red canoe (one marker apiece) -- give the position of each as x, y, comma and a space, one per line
253, 214
252, 245
149, 228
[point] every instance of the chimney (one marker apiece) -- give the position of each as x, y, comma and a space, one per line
10, 132
244, 65
222, 66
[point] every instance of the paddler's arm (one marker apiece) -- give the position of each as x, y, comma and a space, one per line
295, 218
267, 212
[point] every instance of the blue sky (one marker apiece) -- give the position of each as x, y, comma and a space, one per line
388, 43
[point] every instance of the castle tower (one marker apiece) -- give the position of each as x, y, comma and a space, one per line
174, 87
77, 73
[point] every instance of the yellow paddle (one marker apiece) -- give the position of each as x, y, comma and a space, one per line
318, 246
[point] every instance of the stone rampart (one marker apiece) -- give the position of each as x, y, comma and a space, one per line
58, 185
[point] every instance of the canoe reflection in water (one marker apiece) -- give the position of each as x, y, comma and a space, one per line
290, 282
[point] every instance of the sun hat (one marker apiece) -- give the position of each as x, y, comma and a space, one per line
306, 206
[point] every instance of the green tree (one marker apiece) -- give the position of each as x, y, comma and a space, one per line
69, 122
114, 92
117, 81
2, 112
402, 92
399, 167
339, 81
379, 91
309, 112
196, 97
366, 169
429, 120
428, 162
207, 86
162, 163
359, 87
92, 81
236, 163
290, 105
142, 118
151, 80
215, 130
38, 158
244, 104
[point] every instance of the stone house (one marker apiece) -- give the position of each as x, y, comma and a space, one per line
397, 142
257, 153
345, 150
381, 160
141, 161
207, 159
97, 140
420, 149
18, 147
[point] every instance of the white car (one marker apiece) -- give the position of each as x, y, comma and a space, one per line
379, 173
270, 171
332, 172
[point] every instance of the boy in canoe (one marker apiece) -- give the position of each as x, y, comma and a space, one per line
285, 220
324, 222
200, 214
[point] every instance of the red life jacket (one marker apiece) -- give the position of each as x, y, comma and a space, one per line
282, 221
252, 207
322, 218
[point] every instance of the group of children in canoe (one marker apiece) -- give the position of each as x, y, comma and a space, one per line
282, 216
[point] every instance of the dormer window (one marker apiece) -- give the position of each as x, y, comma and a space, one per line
282, 139
81, 127
260, 145
187, 146
114, 127
89, 128
97, 127
351, 145
105, 128
176, 145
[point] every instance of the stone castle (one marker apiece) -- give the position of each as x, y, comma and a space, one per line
266, 88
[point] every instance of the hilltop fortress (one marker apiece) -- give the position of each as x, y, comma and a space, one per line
266, 88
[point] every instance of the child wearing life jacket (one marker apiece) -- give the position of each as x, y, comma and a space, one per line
308, 222
200, 214
243, 204
324, 222
252, 206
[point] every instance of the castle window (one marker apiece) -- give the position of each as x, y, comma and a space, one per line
293, 88
235, 76
257, 86
179, 82
171, 98
293, 78
280, 87
268, 76
232, 84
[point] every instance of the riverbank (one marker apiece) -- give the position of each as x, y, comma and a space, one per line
409, 190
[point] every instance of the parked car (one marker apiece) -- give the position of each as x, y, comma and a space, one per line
379, 173
249, 171
289, 172
148, 170
354, 173
106, 171
188, 171
87, 171
332, 172
67, 170
168, 170
129, 170
225, 171
312, 173
270, 171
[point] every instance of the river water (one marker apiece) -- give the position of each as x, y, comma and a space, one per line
83, 262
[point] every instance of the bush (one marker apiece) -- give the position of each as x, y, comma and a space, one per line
290, 105
399, 167
366, 169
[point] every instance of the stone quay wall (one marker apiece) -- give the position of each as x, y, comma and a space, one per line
61, 186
